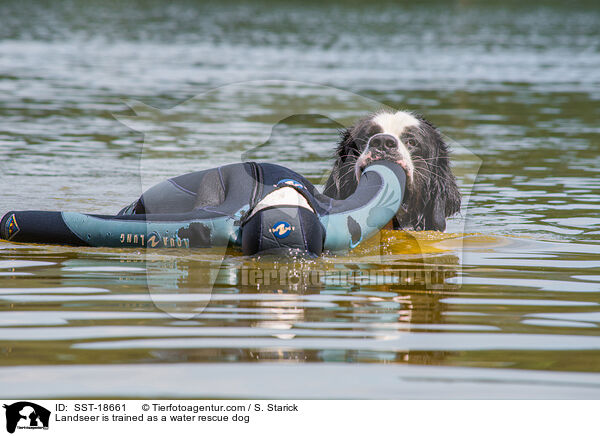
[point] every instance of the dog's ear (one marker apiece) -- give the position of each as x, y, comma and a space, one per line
343, 150
444, 195
435, 210
345, 145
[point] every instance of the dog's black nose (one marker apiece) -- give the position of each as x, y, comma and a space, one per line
383, 142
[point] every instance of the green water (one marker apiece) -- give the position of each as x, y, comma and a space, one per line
512, 309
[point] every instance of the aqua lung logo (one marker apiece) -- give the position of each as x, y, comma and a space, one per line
12, 228
25, 415
153, 239
281, 229
291, 182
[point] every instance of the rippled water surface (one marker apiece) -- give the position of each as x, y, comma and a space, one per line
504, 305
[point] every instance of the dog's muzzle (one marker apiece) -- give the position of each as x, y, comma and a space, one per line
384, 146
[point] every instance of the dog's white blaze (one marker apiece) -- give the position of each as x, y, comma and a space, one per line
395, 123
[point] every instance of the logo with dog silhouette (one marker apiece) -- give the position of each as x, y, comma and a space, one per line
26, 415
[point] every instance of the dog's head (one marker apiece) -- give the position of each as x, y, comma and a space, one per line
414, 143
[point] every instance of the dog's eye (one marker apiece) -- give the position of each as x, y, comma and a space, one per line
411, 143
374, 130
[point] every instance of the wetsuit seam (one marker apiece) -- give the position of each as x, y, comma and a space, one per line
221, 180
254, 198
260, 235
302, 231
259, 178
181, 188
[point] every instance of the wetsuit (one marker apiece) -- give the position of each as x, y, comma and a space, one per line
261, 207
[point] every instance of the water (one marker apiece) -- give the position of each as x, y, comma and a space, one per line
512, 308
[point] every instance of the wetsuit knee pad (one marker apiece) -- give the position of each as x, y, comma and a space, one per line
282, 230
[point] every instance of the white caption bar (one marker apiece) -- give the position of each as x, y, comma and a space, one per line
159, 417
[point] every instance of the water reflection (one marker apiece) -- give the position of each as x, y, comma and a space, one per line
371, 295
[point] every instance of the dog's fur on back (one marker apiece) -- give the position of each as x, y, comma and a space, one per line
432, 194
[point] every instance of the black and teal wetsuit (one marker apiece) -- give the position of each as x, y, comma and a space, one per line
233, 204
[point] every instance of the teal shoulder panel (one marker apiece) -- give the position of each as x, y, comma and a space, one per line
346, 230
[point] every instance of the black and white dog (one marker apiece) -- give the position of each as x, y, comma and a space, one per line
432, 194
